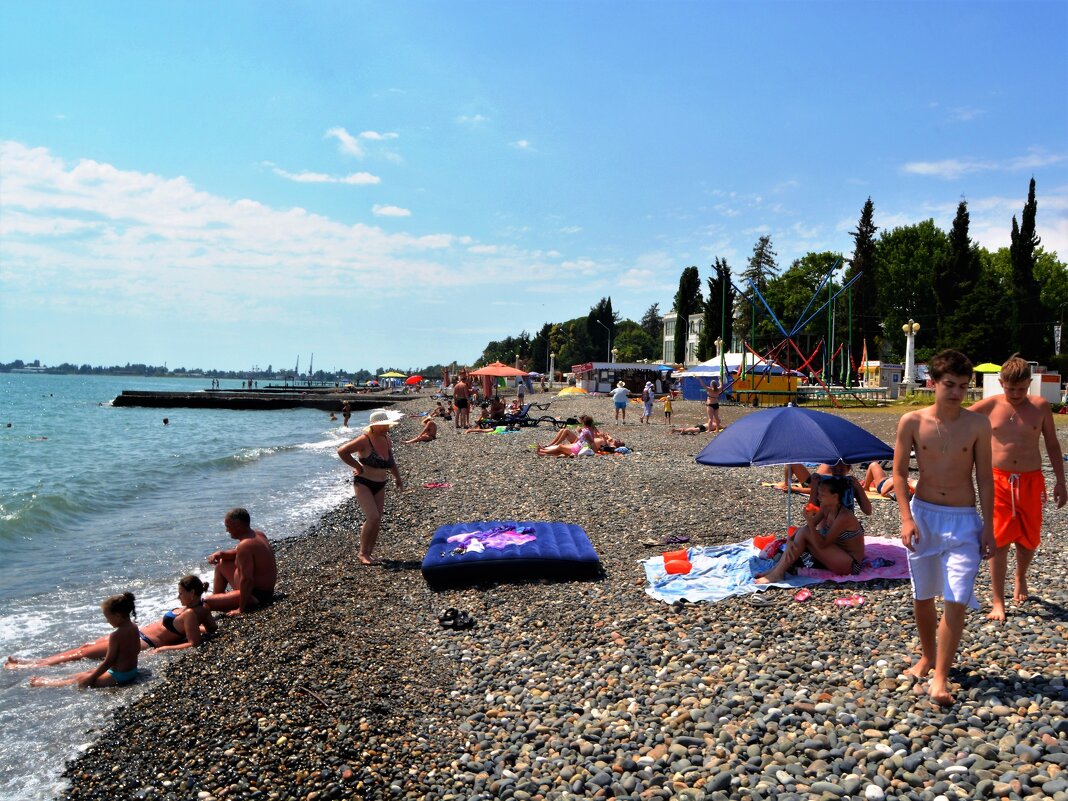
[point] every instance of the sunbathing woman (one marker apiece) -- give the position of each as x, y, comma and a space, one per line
700, 428
833, 536
878, 480
177, 629
602, 440
563, 445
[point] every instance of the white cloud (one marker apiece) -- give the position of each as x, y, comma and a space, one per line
350, 145
948, 169
965, 113
307, 177
636, 278
571, 229
390, 211
522, 144
474, 119
483, 249
951, 169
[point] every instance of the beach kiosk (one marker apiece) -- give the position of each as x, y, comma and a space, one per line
603, 376
883, 374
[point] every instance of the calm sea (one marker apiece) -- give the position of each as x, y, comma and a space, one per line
96, 500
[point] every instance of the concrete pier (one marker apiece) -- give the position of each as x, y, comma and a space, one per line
251, 399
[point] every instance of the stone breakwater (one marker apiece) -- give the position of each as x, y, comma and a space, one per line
348, 687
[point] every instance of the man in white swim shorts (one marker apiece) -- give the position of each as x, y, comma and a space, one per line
946, 537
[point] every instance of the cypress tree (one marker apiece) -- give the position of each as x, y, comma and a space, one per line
762, 268
954, 279
1029, 328
687, 301
865, 290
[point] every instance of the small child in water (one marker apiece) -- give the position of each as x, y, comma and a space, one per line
124, 646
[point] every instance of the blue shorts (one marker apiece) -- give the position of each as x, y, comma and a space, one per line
621, 404
948, 552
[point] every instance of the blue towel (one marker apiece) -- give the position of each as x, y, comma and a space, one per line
717, 573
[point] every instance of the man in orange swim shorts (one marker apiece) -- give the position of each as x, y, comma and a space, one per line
1017, 419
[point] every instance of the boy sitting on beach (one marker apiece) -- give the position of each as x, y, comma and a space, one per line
945, 535
1017, 419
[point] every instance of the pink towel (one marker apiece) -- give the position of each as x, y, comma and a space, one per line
874, 548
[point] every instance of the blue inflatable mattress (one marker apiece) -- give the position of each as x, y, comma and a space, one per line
508, 550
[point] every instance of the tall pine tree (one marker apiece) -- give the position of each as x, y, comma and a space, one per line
715, 307
954, 280
761, 268
687, 301
864, 293
1030, 327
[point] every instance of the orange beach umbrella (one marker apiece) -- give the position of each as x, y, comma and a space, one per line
498, 370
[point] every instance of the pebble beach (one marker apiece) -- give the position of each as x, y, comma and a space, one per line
348, 687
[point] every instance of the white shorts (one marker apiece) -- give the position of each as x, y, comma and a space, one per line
948, 552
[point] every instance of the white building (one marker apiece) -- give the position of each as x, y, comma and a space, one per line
696, 326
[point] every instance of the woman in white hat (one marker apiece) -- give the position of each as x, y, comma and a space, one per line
619, 400
370, 456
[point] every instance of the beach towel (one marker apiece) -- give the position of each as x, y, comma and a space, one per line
726, 570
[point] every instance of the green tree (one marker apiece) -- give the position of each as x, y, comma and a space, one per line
715, 307
905, 260
539, 349
688, 301
863, 295
1052, 276
979, 320
751, 316
954, 280
571, 343
601, 327
634, 343
1030, 325
653, 322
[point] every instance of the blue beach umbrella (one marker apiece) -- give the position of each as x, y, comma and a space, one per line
792, 435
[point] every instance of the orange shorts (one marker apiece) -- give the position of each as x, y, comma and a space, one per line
1018, 499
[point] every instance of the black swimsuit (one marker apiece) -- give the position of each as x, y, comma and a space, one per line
374, 460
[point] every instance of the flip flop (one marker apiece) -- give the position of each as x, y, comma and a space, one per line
437, 485
448, 618
463, 621
802, 594
760, 599
849, 600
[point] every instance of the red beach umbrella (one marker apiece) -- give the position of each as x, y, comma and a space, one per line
413, 379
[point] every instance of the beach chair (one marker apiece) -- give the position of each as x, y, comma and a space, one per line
520, 420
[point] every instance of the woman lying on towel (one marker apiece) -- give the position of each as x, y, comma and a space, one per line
565, 440
832, 539
877, 480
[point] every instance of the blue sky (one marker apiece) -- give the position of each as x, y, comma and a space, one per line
397, 183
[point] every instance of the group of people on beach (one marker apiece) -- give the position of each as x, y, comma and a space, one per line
992, 448
244, 580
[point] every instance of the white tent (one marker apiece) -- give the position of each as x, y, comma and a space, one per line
733, 363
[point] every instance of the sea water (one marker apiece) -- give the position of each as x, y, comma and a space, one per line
97, 500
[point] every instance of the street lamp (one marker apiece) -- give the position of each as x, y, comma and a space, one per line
608, 352
910, 328
552, 369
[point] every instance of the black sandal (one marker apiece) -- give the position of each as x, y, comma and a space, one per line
448, 618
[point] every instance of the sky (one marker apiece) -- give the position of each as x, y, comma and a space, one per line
398, 183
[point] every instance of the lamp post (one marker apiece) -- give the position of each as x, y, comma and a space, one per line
608, 353
910, 328
615, 355
552, 369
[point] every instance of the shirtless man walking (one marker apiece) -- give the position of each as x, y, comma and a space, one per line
249, 568
1017, 419
461, 399
946, 537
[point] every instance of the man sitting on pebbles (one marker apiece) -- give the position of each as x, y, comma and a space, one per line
249, 569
